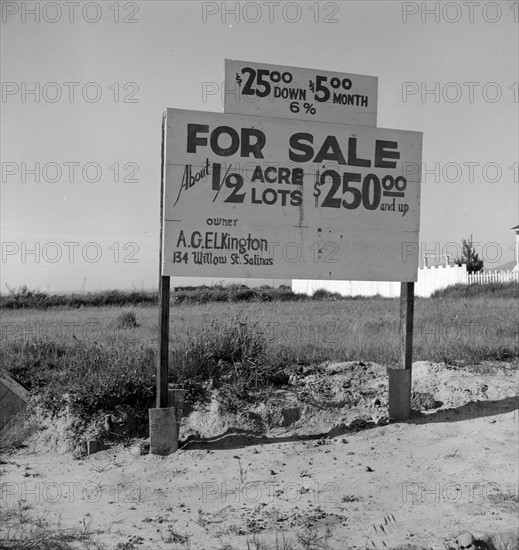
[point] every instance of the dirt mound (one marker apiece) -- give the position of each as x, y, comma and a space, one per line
324, 401
333, 399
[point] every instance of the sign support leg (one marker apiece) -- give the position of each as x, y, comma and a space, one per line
406, 324
162, 356
400, 379
164, 295
163, 423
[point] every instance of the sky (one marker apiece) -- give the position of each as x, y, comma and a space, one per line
84, 86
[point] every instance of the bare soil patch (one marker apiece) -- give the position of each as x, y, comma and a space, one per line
313, 466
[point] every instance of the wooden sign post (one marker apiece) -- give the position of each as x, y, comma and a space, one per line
164, 296
162, 357
400, 379
162, 419
406, 324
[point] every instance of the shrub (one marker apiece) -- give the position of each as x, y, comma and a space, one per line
127, 319
322, 294
232, 353
25, 298
233, 293
492, 290
469, 257
87, 377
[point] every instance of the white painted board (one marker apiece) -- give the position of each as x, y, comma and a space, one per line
270, 198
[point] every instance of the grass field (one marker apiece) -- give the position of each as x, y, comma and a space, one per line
105, 355
473, 328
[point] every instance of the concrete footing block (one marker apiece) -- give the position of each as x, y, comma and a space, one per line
399, 394
94, 446
163, 431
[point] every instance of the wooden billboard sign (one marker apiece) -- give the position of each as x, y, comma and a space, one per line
270, 198
260, 89
295, 181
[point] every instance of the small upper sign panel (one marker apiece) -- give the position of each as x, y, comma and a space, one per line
302, 94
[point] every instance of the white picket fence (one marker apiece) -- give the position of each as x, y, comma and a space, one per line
483, 277
429, 280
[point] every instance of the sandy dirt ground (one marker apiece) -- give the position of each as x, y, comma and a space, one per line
337, 475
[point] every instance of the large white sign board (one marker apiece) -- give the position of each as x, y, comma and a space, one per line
260, 89
271, 198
